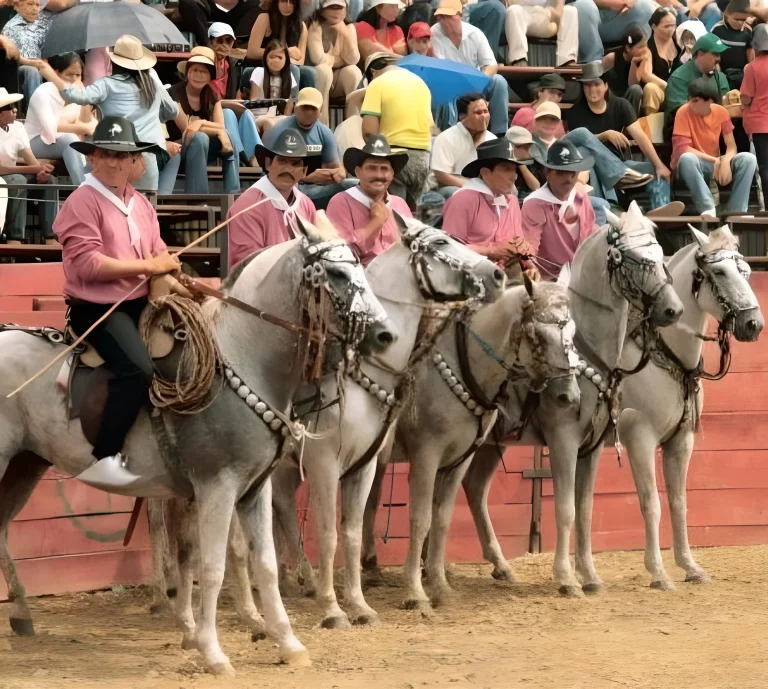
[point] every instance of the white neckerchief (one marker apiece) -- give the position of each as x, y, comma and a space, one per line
477, 184
133, 229
359, 195
278, 200
545, 194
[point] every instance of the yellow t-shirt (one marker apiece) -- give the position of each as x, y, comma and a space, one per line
403, 104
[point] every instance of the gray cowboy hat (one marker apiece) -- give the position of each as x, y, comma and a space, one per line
114, 134
591, 71
376, 147
491, 152
288, 143
563, 155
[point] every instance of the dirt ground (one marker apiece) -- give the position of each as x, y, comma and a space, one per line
490, 635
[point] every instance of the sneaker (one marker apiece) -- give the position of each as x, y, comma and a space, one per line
709, 213
633, 180
669, 210
110, 472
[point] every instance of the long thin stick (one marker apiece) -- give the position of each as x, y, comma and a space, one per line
64, 353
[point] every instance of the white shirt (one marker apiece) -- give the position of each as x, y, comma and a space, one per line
454, 148
474, 49
12, 143
46, 108
257, 77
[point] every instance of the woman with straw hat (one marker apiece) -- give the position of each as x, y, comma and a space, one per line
134, 92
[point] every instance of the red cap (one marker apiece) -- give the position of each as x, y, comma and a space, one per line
419, 30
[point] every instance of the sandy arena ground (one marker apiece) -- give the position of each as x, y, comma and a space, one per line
491, 635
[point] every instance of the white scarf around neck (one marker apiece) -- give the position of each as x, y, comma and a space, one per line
278, 200
359, 195
545, 194
133, 229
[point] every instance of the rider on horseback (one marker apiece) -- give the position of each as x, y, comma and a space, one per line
111, 243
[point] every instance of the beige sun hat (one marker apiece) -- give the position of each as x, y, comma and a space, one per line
8, 98
129, 53
200, 56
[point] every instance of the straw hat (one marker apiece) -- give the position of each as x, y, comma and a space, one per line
198, 56
8, 98
129, 53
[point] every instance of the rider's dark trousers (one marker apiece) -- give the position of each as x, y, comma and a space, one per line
118, 342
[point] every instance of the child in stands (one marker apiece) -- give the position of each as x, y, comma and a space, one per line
274, 79
737, 35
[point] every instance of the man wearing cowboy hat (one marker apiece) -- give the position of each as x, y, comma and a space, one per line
363, 213
283, 155
558, 217
485, 212
111, 242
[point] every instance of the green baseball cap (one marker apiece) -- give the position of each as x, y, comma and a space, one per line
709, 43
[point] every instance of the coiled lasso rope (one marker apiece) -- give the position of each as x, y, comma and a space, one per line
200, 357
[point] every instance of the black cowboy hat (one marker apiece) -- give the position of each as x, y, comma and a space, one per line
491, 152
288, 142
114, 134
563, 155
591, 71
376, 147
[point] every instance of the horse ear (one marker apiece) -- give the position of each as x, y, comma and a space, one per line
296, 224
528, 285
402, 224
633, 214
701, 239
564, 278
613, 220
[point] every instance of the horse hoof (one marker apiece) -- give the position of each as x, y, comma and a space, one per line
297, 658
188, 644
308, 592
367, 619
258, 636
593, 588
698, 578
22, 626
503, 575
571, 591
336, 622
222, 669
373, 580
171, 592
423, 606
663, 585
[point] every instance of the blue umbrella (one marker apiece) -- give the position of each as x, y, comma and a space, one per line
447, 80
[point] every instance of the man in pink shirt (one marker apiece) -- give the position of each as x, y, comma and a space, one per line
484, 212
363, 213
111, 243
558, 216
283, 154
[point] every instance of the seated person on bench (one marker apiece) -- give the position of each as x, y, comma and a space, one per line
111, 243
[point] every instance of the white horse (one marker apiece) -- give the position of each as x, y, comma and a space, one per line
662, 404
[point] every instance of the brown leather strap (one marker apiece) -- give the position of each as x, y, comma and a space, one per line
132, 521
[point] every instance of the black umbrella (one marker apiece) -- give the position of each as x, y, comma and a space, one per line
100, 24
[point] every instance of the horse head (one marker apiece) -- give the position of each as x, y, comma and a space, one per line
721, 284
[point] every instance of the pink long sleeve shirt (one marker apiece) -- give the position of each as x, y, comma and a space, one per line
350, 212
90, 227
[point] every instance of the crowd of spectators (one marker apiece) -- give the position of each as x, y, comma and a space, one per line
661, 99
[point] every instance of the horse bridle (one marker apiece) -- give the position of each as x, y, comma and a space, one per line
703, 273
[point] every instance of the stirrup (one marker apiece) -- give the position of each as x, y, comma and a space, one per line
110, 472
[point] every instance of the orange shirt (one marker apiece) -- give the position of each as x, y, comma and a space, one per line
700, 133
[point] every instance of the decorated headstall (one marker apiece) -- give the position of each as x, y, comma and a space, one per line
634, 261
704, 271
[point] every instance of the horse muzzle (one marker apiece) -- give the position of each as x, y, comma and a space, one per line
493, 278
564, 391
748, 325
667, 308
379, 337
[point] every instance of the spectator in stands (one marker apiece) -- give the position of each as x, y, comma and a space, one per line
14, 145
377, 29
363, 213
699, 123
551, 88
52, 125
420, 39
705, 58
686, 35
606, 21
283, 22
558, 217
522, 142
330, 178
134, 92
9, 64
418, 11
409, 128
275, 79
664, 53
229, 70
485, 212
626, 66
541, 19
456, 147
283, 156
706, 11
454, 39
332, 46
197, 14
737, 35
754, 99
608, 117
200, 128
488, 16
28, 30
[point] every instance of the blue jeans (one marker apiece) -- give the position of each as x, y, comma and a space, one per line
243, 133
321, 194
600, 206
710, 15
61, 149
202, 151
447, 192
488, 16
29, 80
167, 177
608, 168
697, 173
16, 211
606, 26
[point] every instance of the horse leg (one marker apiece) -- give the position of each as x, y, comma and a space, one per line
477, 484
183, 540
19, 480
677, 456
160, 539
354, 493
215, 503
255, 512
237, 563
447, 485
370, 562
640, 440
586, 473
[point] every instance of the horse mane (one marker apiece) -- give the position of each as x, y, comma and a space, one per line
549, 295
228, 282
321, 231
721, 239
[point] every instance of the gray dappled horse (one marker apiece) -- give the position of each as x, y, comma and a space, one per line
220, 456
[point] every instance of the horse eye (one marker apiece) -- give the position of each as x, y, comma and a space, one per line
441, 242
